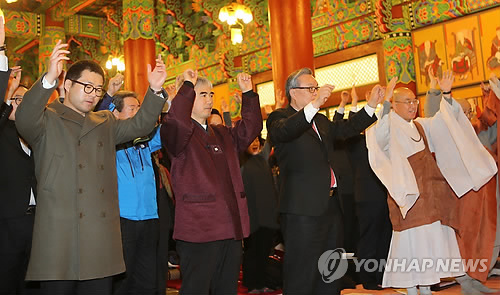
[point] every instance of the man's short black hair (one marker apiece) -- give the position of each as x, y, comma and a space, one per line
75, 70
120, 96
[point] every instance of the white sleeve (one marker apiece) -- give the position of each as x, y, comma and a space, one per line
4, 63
46, 84
310, 111
369, 110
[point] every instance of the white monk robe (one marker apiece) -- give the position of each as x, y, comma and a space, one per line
462, 160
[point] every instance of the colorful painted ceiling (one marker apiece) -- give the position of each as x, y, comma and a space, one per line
189, 34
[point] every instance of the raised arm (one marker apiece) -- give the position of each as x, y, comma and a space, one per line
250, 125
339, 113
285, 125
114, 85
145, 119
495, 85
30, 113
226, 116
177, 127
344, 129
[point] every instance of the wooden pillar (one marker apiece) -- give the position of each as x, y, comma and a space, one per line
291, 38
139, 46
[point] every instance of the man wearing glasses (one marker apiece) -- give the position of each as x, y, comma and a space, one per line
311, 220
77, 246
425, 164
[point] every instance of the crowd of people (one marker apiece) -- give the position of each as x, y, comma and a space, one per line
94, 179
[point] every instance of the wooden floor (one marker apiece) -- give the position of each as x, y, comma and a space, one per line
493, 282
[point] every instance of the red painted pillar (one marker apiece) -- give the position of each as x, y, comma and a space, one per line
139, 47
291, 38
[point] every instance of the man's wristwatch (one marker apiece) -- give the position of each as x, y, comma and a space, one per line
3, 48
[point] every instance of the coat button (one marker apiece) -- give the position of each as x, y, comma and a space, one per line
102, 191
103, 214
101, 167
99, 144
80, 190
81, 166
81, 215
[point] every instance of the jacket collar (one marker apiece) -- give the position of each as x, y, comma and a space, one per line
89, 122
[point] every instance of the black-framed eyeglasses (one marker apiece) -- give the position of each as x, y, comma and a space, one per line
88, 88
17, 99
311, 89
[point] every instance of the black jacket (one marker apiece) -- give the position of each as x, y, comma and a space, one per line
305, 160
17, 175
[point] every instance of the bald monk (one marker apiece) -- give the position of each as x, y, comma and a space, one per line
422, 188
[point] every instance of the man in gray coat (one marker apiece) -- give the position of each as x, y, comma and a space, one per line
76, 238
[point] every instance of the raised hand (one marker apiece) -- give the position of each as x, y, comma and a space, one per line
447, 81
191, 76
115, 84
223, 106
170, 89
268, 108
245, 82
495, 85
389, 90
354, 95
15, 80
158, 75
377, 95
432, 78
280, 99
323, 94
237, 97
344, 98
485, 89
56, 61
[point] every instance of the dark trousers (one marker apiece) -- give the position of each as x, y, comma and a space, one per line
140, 244
306, 238
15, 247
87, 287
209, 268
351, 234
165, 225
375, 237
257, 248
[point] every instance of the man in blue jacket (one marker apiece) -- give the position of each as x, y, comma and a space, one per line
137, 201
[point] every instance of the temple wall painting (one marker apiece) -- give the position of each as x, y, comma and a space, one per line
469, 46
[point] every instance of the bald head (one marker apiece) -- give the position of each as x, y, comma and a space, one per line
403, 93
404, 103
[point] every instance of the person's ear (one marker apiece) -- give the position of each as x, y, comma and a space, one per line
67, 85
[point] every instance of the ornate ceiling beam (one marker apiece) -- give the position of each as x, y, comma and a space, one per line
77, 5
27, 46
47, 4
25, 25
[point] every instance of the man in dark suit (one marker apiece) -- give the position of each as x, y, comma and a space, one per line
211, 215
17, 180
311, 220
